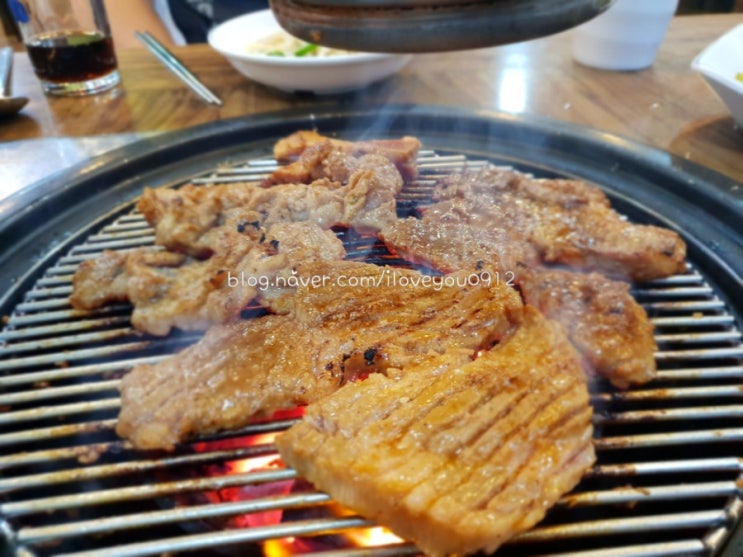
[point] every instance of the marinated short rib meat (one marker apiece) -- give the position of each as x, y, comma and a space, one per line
333, 333
308, 153
182, 217
457, 458
602, 319
172, 290
223, 229
568, 222
451, 246
103, 279
196, 219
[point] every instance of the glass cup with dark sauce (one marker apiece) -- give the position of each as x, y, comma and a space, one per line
69, 43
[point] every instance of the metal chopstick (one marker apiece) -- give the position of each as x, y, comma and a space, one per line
176, 66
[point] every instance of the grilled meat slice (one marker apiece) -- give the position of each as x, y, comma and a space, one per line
455, 457
600, 316
232, 229
172, 290
103, 279
568, 222
181, 217
352, 323
451, 246
199, 220
308, 153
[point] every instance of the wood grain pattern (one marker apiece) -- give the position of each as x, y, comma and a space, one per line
667, 106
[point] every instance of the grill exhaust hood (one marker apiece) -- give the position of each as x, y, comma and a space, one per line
429, 25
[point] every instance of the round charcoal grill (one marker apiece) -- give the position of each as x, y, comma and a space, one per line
670, 457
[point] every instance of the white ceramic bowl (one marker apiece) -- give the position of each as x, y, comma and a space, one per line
331, 74
719, 63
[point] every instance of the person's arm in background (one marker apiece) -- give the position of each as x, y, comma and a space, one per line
128, 16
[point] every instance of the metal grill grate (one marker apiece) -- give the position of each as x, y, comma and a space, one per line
667, 481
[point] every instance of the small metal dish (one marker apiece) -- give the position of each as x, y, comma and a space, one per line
9, 105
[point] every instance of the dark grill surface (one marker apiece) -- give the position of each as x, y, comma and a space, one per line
667, 480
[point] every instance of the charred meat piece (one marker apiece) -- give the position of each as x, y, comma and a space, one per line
181, 217
200, 220
233, 230
461, 457
568, 222
351, 324
601, 317
172, 290
308, 152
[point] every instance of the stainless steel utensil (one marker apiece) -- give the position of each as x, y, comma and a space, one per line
172, 63
8, 105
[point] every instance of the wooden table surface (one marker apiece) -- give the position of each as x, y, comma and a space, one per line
667, 106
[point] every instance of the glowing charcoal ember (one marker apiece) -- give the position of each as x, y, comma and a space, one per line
373, 537
262, 457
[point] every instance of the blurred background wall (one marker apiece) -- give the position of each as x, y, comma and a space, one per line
701, 6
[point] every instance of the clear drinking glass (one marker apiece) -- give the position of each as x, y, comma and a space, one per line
69, 43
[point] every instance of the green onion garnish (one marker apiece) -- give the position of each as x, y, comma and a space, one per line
305, 50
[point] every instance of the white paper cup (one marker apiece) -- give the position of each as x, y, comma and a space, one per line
626, 36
